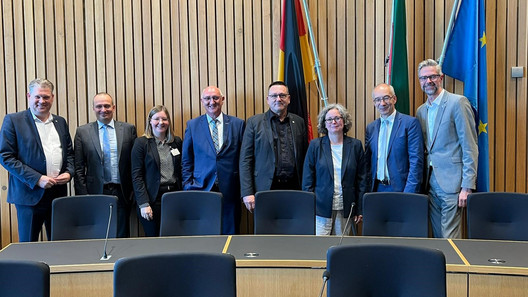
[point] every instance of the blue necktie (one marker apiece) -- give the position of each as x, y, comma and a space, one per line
382, 150
214, 129
107, 156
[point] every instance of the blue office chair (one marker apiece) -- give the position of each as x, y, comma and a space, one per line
191, 213
83, 217
285, 212
375, 270
497, 216
395, 214
24, 279
184, 274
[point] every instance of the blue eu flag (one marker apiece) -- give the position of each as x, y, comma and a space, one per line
465, 60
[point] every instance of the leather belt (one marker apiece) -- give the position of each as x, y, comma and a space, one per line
110, 186
384, 182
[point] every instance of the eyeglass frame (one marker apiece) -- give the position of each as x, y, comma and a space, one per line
282, 96
433, 77
385, 99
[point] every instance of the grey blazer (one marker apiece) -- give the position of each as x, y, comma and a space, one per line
452, 149
89, 158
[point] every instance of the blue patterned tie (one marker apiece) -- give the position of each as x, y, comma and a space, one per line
107, 156
382, 150
214, 129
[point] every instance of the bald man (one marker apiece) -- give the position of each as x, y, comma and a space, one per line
394, 146
211, 149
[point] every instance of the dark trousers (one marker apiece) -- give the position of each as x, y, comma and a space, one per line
152, 227
231, 212
31, 218
123, 209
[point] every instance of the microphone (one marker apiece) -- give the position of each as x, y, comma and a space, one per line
105, 256
346, 224
326, 276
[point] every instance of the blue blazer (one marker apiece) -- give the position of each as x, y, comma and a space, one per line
22, 156
146, 173
201, 164
318, 175
405, 153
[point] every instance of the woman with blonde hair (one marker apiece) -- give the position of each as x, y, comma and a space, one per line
156, 167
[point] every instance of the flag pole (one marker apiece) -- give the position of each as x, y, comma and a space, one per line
389, 57
317, 62
449, 31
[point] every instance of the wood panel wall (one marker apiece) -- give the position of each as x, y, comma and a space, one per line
146, 52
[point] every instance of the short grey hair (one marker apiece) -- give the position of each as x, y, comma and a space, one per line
40, 82
347, 118
430, 62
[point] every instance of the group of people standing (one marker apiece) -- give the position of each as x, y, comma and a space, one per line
435, 152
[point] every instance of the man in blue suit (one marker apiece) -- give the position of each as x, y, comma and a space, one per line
394, 147
36, 149
211, 149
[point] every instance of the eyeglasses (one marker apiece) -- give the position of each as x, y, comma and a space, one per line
159, 119
385, 99
331, 120
275, 96
429, 77
214, 98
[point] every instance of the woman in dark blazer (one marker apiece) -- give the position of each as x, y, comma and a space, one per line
330, 156
156, 167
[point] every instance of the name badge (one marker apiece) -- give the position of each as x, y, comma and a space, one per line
175, 152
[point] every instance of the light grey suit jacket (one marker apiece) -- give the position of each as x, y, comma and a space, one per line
452, 149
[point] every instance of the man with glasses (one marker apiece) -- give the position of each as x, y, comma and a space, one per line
273, 148
394, 147
448, 126
210, 154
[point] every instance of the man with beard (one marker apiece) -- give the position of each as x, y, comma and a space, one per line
211, 150
273, 148
448, 126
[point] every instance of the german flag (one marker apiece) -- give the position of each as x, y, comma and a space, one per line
296, 66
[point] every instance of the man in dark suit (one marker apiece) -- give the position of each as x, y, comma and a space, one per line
210, 153
448, 127
273, 148
394, 147
90, 159
36, 149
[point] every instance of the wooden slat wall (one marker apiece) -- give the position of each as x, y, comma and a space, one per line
164, 52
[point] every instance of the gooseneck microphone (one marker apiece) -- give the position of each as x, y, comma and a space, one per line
346, 224
105, 256
326, 276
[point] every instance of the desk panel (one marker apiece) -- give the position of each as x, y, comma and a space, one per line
85, 255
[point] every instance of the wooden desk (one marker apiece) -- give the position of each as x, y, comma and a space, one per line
294, 265
271, 265
496, 278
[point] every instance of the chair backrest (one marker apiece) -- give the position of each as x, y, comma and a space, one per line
24, 279
285, 212
395, 214
191, 213
497, 216
183, 274
83, 217
385, 270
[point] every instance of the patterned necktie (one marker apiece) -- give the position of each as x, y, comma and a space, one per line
382, 150
214, 130
107, 156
